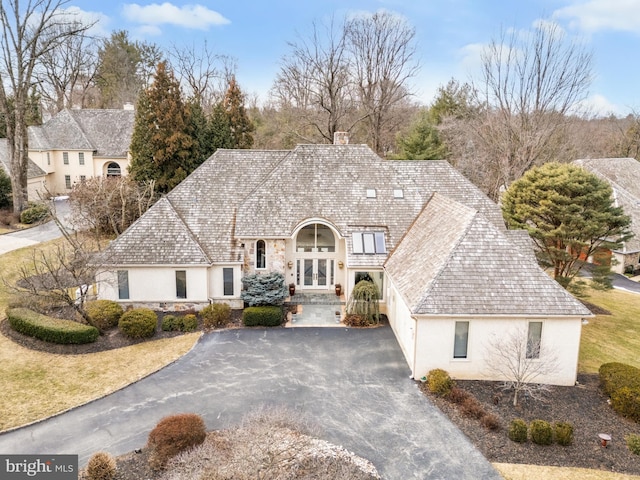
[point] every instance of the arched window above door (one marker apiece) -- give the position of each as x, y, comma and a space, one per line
113, 170
316, 238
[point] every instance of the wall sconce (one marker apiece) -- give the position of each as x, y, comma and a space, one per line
290, 264
340, 264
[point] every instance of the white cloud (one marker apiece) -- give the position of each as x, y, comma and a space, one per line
599, 105
595, 15
188, 16
471, 57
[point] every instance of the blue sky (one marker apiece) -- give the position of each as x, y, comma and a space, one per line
449, 33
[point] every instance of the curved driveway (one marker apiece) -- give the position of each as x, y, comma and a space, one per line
354, 383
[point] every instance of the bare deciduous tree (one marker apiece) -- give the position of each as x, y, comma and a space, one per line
531, 83
26, 36
520, 359
383, 50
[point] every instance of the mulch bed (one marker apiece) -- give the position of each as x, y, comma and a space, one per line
584, 406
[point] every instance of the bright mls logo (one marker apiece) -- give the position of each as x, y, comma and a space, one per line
50, 467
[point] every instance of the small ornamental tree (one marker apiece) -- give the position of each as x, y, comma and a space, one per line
364, 302
263, 290
569, 213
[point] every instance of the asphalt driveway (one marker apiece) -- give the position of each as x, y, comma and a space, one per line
354, 383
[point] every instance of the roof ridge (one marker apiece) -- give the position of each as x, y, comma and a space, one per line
266, 176
187, 229
82, 130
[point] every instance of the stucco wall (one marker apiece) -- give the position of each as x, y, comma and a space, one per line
435, 340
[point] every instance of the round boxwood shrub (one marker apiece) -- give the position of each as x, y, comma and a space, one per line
541, 432
518, 430
173, 435
215, 315
35, 213
189, 323
104, 313
439, 382
563, 432
101, 466
168, 323
626, 401
633, 443
138, 323
268, 316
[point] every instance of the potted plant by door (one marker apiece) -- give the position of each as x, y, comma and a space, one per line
338, 289
292, 289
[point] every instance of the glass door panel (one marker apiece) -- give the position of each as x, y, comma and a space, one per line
321, 275
308, 272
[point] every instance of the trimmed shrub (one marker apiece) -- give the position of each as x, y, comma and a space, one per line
563, 433
541, 432
138, 323
215, 315
50, 329
270, 316
518, 430
172, 435
626, 402
355, 320
168, 323
458, 395
490, 421
614, 376
101, 466
633, 443
35, 213
189, 323
439, 382
104, 313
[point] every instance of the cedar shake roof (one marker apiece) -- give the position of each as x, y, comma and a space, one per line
623, 174
453, 261
33, 170
106, 132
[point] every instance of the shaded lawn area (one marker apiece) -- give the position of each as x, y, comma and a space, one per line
611, 338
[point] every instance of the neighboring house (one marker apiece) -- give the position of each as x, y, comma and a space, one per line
75, 145
449, 272
623, 174
36, 177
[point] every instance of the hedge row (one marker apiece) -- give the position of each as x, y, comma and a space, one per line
541, 432
622, 383
262, 316
50, 329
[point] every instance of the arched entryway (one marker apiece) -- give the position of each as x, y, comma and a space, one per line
113, 170
316, 259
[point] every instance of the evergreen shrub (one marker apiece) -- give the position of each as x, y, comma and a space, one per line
189, 323
439, 382
35, 213
626, 402
50, 329
215, 315
633, 443
614, 376
172, 435
518, 430
265, 289
563, 433
101, 466
138, 323
541, 432
168, 323
104, 313
267, 316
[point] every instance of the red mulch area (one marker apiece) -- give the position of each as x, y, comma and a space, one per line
584, 406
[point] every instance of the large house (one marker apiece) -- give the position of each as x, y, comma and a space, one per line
623, 174
450, 275
75, 145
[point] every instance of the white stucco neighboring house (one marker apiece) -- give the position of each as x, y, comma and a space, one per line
623, 174
449, 273
75, 145
36, 177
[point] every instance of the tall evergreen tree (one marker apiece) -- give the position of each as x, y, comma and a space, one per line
117, 76
162, 147
422, 142
241, 126
569, 213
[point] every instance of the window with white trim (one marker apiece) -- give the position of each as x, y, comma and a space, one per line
368, 243
534, 338
461, 340
81, 158
227, 279
181, 284
67, 181
123, 284
261, 254
65, 158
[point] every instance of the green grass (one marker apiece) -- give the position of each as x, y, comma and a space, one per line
611, 338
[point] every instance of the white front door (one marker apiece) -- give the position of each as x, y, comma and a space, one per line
315, 272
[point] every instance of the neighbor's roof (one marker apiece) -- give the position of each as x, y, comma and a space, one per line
454, 261
33, 170
623, 174
106, 132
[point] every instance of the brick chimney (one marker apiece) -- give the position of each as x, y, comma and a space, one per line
341, 138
